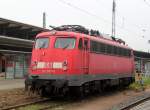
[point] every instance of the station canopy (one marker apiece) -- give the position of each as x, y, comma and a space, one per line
141, 55
16, 36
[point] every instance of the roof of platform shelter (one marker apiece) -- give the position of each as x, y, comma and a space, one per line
16, 29
141, 54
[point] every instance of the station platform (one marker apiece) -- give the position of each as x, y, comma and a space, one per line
7, 84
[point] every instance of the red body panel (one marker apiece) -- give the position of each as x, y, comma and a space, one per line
80, 61
102, 64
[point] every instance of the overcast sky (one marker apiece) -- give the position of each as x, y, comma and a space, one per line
132, 16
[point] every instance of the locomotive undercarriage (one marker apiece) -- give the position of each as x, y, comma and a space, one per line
60, 87
46, 87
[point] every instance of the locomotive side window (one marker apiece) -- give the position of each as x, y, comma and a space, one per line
124, 52
41, 43
109, 49
93, 46
119, 51
65, 43
112, 51
80, 46
115, 50
103, 48
99, 47
128, 53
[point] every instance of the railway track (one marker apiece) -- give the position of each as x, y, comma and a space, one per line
25, 104
133, 102
50, 104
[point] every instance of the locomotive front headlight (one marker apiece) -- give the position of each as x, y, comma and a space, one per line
60, 65
33, 65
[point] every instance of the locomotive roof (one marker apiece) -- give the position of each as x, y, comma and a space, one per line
65, 33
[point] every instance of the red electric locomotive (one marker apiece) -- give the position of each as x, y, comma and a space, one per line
71, 58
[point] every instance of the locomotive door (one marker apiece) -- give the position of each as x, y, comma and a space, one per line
86, 55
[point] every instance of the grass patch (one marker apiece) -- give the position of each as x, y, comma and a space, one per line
31, 107
146, 81
137, 85
34, 106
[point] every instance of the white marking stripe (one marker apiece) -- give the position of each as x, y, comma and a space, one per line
40, 65
57, 65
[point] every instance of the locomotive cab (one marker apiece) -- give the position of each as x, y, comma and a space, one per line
60, 55
58, 60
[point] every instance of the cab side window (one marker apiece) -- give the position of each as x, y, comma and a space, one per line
80, 45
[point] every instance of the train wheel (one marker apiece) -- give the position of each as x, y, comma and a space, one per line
26, 87
77, 91
80, 91
65, 91
99, 89
86, 89
103, 86
120, 85
42, 92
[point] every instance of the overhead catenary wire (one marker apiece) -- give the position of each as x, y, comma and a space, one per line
124, 20
95, 16
148, 4
83, 10
114, 19
122, 17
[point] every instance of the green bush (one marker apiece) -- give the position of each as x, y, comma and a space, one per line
146, 81
138, 86
135, 86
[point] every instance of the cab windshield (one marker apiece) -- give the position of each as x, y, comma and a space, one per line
41, 43
65, 43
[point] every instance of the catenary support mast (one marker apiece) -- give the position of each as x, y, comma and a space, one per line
113, 19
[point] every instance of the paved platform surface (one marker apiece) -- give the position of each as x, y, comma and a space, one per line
6, 84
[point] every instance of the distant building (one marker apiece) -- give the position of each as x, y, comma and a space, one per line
142, 62
16, 40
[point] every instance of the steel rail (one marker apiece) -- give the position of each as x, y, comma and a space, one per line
25, 104
135, 102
